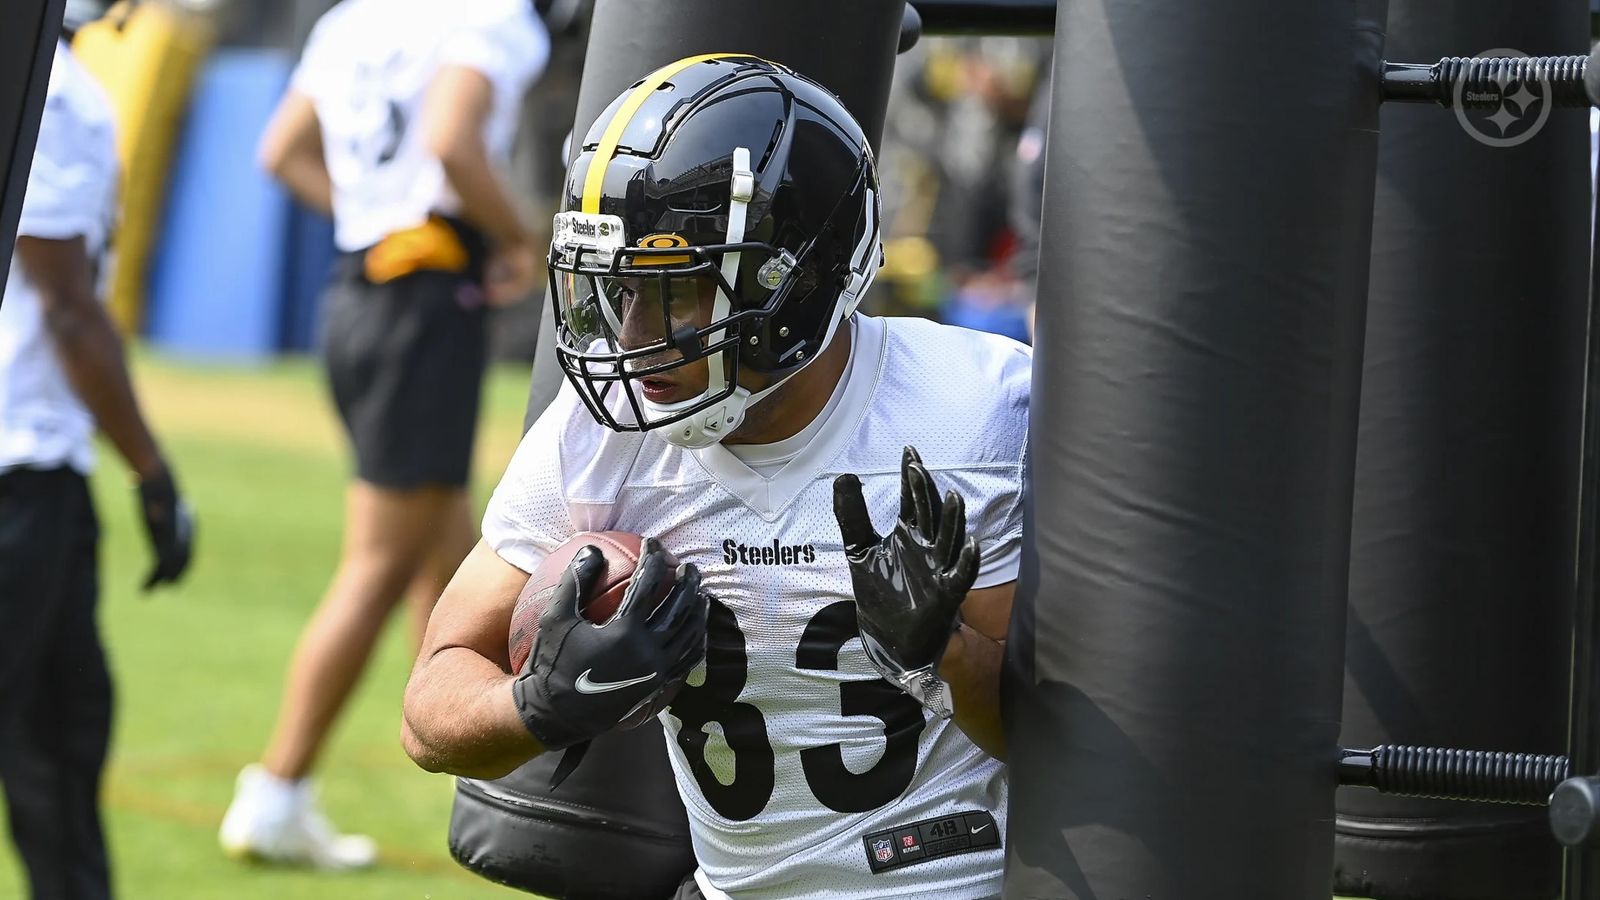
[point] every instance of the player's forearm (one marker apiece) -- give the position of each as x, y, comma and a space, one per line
87, 345
971, 668
91, 356
460, 718
484, 200
306, 177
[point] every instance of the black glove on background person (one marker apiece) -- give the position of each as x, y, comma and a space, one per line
908, 585
170, 524
582, 680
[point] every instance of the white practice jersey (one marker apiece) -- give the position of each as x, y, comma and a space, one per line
367, 67
805, 773
72, 193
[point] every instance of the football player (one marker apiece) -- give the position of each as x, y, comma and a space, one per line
62, 374
841, 736
397, 121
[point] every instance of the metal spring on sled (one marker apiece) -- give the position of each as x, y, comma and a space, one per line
1478, 82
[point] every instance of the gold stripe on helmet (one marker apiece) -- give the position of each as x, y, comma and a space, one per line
595, 178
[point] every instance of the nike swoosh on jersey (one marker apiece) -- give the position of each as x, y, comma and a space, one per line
978, 828
586, 685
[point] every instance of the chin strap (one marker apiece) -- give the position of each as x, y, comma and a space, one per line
742, 191
709, 426
864, 263
864, 260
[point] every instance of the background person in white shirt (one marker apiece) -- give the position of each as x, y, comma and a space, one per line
62, 372
395, 122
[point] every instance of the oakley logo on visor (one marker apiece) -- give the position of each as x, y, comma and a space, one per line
665, 242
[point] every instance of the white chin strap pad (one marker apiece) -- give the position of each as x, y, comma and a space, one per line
864, 261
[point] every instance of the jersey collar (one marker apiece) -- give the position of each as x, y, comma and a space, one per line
769, 497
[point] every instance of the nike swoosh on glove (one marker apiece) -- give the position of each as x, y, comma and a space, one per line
582, 680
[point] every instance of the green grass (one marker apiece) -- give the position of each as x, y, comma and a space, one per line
198, 669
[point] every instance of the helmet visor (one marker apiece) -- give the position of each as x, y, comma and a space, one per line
648, 321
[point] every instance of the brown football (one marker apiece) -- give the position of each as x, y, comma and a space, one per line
621, 552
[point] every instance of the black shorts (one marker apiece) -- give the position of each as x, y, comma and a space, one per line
405, 361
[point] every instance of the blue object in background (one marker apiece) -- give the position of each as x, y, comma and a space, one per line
220, 274
1008, 319
310, 260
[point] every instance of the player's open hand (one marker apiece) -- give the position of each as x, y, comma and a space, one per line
909, 584
582, 680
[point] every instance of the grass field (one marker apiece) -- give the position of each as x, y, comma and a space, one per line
198, 668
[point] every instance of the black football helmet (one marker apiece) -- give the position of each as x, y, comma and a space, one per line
723, 208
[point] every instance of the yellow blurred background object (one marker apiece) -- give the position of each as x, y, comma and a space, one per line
146, 57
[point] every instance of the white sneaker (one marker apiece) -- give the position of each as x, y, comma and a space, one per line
276, 821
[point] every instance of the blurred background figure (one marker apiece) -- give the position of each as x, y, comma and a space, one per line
398, 121
1027, 194
958, 124
62, 373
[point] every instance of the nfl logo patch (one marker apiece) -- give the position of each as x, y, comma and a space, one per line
882, 850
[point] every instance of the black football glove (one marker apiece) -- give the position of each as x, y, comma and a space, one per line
909, 584
170, 524
582, 680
